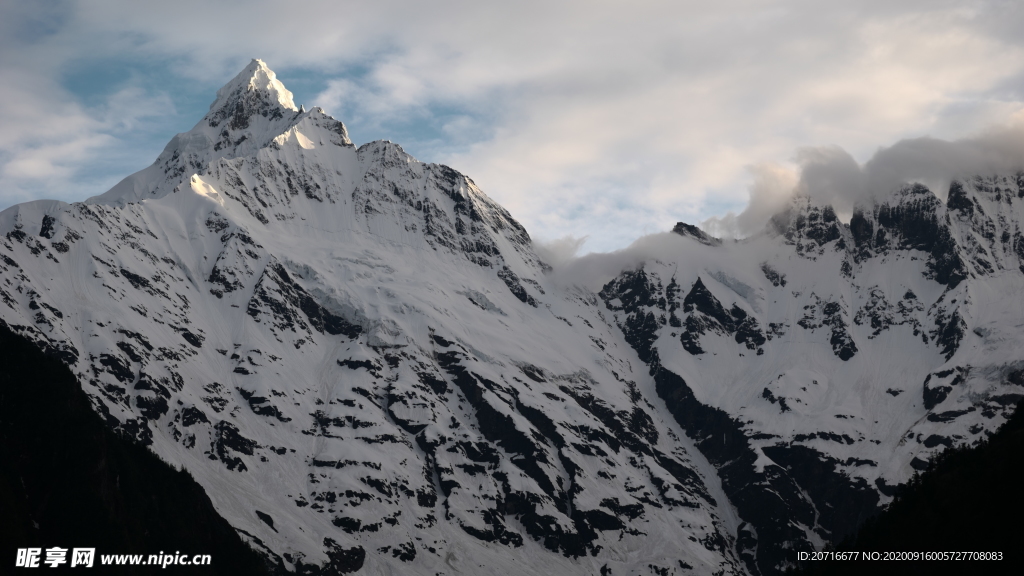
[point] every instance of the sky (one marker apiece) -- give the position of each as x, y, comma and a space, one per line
593, 122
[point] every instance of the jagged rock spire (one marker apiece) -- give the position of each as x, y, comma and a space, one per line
255, 90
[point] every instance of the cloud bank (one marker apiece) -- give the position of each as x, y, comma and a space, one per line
831, 175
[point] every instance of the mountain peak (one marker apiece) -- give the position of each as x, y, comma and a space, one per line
250, 111
258, 79
689, 230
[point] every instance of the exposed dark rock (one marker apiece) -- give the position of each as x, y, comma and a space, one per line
634, 291
775, 277
191, 415
911, 221
769, 500
151, 407
193, 339
118, 367
284, 298
691, 231
266, 519
808, 227
769, 396
949, 331
843, 503
494, 425
369, 366
706, 314
135, 280
935, 393
262, 406
934, 440
702, 300
228, 439
512, 281
341, 560
46, 228
958, 200
949, 415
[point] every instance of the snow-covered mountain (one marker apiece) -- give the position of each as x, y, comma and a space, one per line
366, 364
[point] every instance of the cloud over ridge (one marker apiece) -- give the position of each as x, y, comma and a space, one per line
830, 175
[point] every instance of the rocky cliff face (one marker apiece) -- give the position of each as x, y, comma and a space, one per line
366, 365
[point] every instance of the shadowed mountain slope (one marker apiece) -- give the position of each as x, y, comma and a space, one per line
67, 480
968, 499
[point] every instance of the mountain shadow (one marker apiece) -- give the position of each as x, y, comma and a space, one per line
68, 481
967, 500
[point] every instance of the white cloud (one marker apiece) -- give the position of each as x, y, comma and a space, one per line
598, 119
830, 175
560, 250
771, 189
48, 140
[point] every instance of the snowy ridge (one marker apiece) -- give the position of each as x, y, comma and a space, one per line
366, 365
360, 358
840, 356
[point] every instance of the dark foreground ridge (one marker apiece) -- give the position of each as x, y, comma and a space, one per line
968, 500
66, 480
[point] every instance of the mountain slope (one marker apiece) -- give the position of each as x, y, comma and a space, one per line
818, 364
367, 350
967, 500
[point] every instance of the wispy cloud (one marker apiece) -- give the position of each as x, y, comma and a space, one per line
593, 119
53, 147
